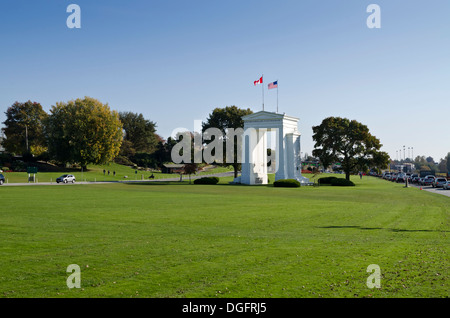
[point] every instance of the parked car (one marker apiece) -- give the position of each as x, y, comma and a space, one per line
427, 181
66, 178
401, 178
446, 185
439, 182
414, 178
2, 179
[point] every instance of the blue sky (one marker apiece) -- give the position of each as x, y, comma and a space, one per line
175, 61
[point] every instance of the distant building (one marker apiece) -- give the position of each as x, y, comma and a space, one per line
172, 168
310, 164
405, 167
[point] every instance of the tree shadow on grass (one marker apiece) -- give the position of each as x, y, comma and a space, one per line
376, 228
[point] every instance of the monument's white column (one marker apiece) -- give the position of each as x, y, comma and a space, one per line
297, 157
281, 153
247, 150
289, 160
261, 157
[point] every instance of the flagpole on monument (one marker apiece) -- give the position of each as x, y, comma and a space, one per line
277, 96
262, 86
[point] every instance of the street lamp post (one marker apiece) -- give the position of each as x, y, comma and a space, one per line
26, 136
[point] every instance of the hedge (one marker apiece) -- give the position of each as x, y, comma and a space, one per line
287, 183
340, 182
207, 180
326, 180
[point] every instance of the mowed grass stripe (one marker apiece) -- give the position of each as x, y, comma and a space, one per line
180, 240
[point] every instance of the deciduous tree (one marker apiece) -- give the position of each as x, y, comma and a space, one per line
443, 165
84, 131
448, 162
349, 142
139, 131
223, 119
24, 128
189, 169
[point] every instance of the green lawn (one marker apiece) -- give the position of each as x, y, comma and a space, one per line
95, 174
181, 240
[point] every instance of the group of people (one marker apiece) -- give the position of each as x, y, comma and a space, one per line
104, 172
114, 173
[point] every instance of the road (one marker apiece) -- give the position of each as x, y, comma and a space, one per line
433, 190
185, 178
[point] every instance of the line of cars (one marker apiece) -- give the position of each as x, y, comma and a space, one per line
429, 180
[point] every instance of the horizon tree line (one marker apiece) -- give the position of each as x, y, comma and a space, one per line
82, 131
86, 131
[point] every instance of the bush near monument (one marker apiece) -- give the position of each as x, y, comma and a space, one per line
287, 183
339, 182
207, 180
326, 180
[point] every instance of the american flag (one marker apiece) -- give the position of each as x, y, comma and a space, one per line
273, 85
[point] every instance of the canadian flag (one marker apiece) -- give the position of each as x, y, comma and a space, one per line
260, 81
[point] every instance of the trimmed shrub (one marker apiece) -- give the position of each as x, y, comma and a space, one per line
287, 183
340, 182
207, 180
326, 180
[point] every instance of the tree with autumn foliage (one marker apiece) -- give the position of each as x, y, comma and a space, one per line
189, 169
83, 131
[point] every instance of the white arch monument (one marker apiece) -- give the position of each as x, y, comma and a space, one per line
254, 149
